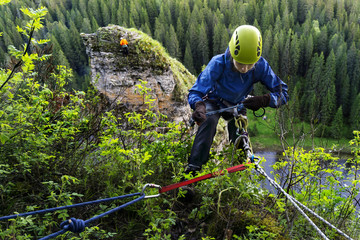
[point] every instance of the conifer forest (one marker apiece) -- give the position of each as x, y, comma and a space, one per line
60, 144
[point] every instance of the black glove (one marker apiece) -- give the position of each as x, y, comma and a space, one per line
199, 115
254, 103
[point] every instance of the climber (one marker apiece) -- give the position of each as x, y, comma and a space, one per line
124, 45
226, 81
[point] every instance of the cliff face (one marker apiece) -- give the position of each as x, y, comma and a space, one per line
116, 74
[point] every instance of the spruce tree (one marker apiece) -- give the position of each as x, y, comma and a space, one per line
285, 58
188, 59
94, 11
267, 43
355, 114
337, 125
274, 54
294, 54
172, 44
146, 29
105, 13
220, 39
203, 45
83, 8
134, 15
94, 24
86, 26
193, 40
180, 33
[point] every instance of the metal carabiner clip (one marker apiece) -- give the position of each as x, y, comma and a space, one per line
151, 185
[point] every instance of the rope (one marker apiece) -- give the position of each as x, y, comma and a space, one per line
77, 225
296, 203
237, 168
67, 207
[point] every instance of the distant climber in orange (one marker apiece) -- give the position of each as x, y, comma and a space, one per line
124, 45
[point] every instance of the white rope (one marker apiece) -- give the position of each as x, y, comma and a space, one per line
295, 202
275, 184
323, 220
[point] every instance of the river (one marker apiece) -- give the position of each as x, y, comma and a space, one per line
273, 157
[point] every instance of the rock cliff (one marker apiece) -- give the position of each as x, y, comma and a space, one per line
116, 74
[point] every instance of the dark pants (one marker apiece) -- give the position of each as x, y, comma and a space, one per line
206, 133
125, 50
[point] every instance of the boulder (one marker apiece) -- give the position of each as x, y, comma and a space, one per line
116, 74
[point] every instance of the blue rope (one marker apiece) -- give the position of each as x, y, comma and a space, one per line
77, 225
67, 207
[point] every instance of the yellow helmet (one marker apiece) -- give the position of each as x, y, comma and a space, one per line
246, 44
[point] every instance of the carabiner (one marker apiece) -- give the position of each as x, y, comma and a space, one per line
151, 185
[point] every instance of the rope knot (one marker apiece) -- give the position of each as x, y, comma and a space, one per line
74, 225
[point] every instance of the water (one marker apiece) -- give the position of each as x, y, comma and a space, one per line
273, 157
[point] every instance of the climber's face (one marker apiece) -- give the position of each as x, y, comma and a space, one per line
243, 68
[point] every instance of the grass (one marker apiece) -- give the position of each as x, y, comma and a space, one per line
265, 135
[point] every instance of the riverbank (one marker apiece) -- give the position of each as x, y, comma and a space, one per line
265, 136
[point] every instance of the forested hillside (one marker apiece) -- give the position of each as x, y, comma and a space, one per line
314, 45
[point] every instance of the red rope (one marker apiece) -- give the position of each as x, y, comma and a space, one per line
237, 168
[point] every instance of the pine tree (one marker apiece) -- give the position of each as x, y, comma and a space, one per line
58, 54
146, 29
355, 114
105, 13
345, 96
76, 18
308, 50
113, 12
83, 8
94, 24
86, 26
188, 58
134, 15
180, 33
172, 44
144, 18
328, 105
94, 11
220, 39
203, 45
268, 16
322, 41
295, 54
285, 58
351, 60
337, 125
159, 31
184, 14
151, 8
274, 54
193, 40
59, 13
267, 43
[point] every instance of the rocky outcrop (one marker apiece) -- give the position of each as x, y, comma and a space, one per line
116, 74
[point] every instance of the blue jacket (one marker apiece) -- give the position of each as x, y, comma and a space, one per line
218, 80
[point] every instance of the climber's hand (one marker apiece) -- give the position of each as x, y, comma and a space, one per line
254, 103
199, 115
